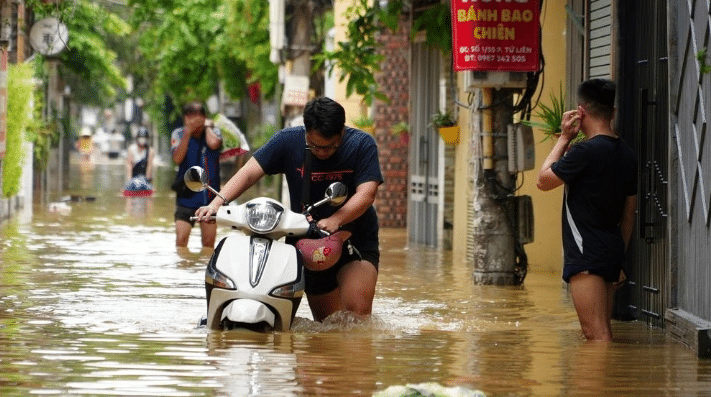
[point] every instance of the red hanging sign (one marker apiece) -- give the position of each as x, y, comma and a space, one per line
496, 35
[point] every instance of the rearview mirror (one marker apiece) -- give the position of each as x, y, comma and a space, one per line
195, 179
337, 193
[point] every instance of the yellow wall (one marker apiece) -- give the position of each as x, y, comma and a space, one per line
545, 253
352, 105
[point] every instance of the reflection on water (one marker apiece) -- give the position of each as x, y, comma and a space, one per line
98, 302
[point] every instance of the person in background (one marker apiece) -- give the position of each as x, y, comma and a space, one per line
139, 157
335, 153
599, 203
116, 141
198, 142
85, 144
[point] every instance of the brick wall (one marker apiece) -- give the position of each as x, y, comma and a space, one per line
393, 79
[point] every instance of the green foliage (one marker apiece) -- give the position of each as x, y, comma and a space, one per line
551, 117
192, 45
440, 120
178, 40
701, 57
436, 22
262, 134
246, 44
363, 122
19, 95
43, 135
357, 57
87, 65
400, 128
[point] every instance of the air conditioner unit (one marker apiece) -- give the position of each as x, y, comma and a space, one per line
521, 148
475, 79
524, 219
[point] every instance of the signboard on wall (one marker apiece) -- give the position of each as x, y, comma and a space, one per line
496, 35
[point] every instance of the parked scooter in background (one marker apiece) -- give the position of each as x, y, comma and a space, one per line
254, 280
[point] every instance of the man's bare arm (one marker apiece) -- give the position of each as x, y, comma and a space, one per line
353, 208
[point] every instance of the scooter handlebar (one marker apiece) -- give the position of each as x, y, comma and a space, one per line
211, 218
314, 230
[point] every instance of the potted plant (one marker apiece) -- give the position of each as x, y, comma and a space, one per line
400, 128
551, 118
365, 123
447, 127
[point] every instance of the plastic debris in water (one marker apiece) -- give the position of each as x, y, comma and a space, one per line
428, 390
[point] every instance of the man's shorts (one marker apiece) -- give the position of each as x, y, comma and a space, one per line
609, 273
325, 281
184, 214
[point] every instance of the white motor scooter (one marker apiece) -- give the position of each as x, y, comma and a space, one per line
253, 280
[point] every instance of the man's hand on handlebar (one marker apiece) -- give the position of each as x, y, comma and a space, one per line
205, 214
329, 224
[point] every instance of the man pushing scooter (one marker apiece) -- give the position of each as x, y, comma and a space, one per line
311, 157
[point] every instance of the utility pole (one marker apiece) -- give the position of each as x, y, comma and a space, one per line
491, 233
497, 45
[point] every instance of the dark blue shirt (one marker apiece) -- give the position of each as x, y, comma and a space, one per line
354, 162
599, 175
198, 154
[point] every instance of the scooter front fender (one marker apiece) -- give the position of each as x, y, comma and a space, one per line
220, 299
248, 311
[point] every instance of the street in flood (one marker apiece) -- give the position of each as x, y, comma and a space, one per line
95, 300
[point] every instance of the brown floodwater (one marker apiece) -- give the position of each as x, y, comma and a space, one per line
96, 301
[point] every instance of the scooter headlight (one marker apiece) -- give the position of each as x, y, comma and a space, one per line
263, 216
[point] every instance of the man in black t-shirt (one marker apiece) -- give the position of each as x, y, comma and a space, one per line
600, 177
337, 153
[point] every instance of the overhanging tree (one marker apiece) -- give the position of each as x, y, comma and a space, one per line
192, 45
87, 65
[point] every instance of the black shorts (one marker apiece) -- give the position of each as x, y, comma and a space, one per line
325, 281
184, 214
609, 273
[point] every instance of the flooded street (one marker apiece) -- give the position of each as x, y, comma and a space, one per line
97, 301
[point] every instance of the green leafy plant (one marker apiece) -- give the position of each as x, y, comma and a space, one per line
87, 65
400, 128
44, 136
701, 57
186, 47
363, 122
550, 117
19, 95
436, 22
357, 57
261, 135
440, 120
